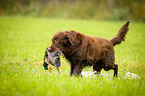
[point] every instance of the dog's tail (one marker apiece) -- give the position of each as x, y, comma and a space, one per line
121, 34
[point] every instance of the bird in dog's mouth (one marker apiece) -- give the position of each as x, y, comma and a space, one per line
52, 58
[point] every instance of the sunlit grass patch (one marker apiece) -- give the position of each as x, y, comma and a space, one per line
24, 40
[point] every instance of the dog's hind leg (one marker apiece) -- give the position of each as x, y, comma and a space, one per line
108, 62
115, 68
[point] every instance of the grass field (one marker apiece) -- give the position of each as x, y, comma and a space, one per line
23, 41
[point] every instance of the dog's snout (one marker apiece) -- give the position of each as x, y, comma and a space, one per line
52, 49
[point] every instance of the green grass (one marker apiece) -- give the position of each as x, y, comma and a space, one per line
23, 41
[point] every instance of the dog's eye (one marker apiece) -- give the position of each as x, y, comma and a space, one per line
56, 40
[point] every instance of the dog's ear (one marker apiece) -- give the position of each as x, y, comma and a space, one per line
79, 36
69, 37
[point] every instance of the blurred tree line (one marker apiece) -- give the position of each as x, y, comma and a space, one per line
84, 9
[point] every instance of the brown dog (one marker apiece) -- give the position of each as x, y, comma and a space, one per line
82, 50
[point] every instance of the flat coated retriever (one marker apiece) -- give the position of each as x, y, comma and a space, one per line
82, 50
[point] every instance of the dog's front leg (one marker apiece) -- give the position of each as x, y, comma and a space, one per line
77, 70
71, 69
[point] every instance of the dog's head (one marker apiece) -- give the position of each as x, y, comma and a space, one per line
65, 40
52, 58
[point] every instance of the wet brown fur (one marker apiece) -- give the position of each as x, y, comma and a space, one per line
82, 50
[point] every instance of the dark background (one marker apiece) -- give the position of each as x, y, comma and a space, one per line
80, 9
